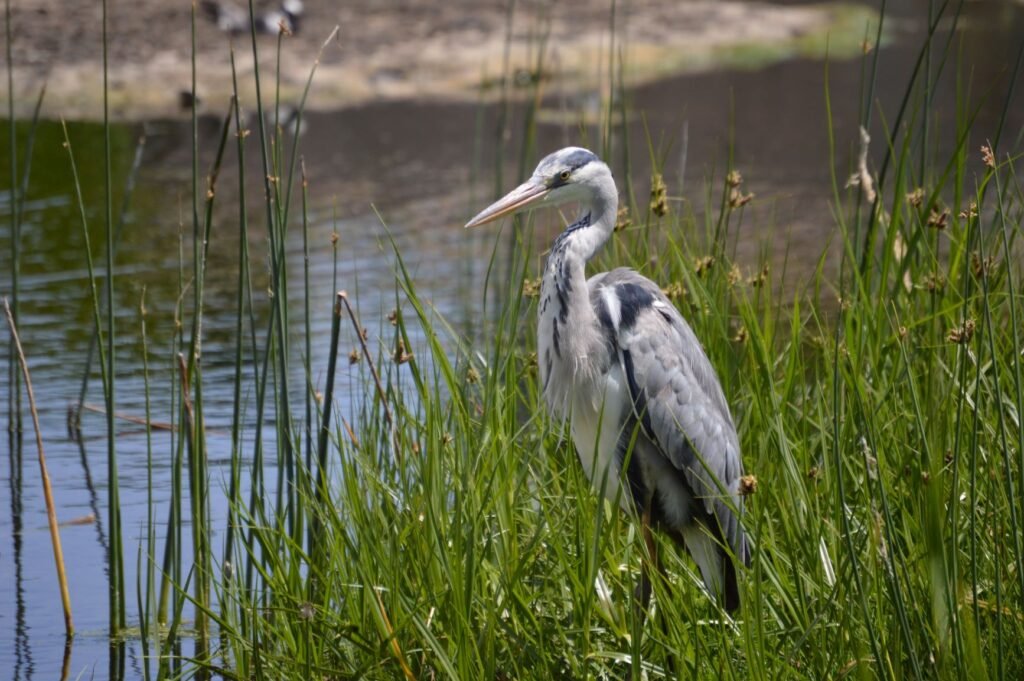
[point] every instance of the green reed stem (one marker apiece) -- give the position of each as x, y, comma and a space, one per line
277, 345
1015, 335
310, 388
129, 189
234, 490
195, 428
146, 598
841, 496
1013, 487
142, 601
13, 377
258, 485
287, 458
113, 592
116, 579
171, 565
322, 494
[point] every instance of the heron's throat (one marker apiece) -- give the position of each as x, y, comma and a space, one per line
569, 339
575, 246
588, 234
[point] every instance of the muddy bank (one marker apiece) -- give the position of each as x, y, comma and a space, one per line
397, 49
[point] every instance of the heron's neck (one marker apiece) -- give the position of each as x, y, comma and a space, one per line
595, 223
569, 338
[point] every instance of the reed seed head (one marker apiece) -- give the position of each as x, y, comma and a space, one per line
988, 157
962, 334
659, 196
622, 220
703, 265
938, 219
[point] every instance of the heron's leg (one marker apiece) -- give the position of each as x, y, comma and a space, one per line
643, 590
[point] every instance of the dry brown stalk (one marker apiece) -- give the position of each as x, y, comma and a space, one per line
51, 513
395, 648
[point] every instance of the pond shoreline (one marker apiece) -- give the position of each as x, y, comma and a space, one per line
407, 50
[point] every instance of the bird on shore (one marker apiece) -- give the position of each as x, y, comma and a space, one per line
647, 413
234, 20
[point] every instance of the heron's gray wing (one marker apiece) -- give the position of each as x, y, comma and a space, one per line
676, 394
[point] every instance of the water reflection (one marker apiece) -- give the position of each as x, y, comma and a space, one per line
22, 647
96, 507
424, 166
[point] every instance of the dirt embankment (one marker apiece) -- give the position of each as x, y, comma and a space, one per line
391, 49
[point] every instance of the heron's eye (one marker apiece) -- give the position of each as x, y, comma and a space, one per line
564, 175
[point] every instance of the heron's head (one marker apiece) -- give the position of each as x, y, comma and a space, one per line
570, 174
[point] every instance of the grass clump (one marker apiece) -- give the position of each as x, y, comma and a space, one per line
462, 541
879, 416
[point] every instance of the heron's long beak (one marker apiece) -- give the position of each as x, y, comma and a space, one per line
523, 196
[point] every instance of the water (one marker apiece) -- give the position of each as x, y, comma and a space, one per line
421, 166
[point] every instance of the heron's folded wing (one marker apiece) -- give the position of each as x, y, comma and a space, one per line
680, 403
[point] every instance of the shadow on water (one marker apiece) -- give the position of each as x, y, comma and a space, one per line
419, 165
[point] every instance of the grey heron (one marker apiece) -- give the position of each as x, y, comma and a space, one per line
617, 359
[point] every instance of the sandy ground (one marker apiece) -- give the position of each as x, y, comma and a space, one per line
388, 48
